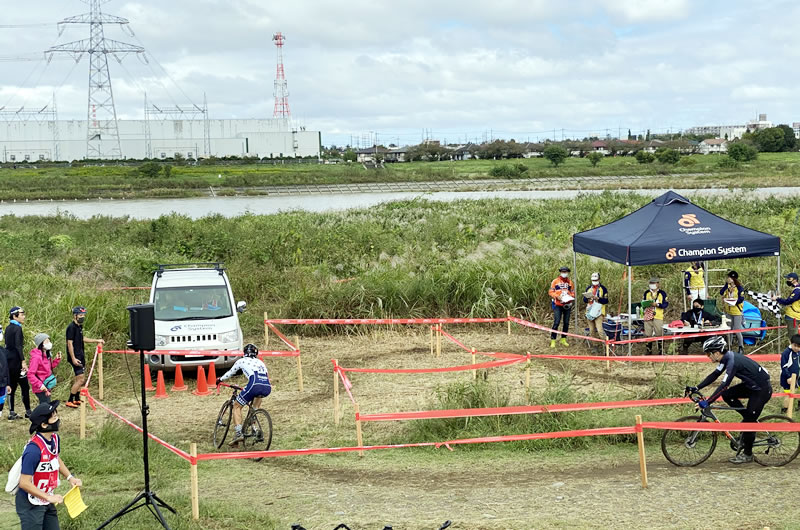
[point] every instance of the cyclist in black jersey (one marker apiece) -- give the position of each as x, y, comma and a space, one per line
755, 386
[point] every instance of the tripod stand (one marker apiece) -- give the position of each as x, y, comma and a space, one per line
150, 499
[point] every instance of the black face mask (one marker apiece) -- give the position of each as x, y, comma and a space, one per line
51, 427
698, 309
80, 320
789, 283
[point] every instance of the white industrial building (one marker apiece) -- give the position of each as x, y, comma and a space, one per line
34, 140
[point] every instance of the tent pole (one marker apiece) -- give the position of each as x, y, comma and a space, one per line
778, 292
630, 317
575, 279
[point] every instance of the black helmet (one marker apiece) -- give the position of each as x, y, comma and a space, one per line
251, 350
715, 344
79, 310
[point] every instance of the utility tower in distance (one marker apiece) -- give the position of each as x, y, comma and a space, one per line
281, 88
102, 135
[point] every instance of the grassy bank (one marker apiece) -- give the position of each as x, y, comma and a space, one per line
405, 259
771, 169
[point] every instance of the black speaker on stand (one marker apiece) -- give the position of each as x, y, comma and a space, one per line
143, 338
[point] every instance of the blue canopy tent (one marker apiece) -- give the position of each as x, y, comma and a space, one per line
672, 229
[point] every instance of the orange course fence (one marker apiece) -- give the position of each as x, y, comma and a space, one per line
503, 359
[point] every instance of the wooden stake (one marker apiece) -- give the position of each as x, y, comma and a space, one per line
474, 372
83, 417
358, 430
528, 375
642, 461
194, 488
439, 340
430, 332
100, 372
789, 402
608, 354
508, 323
299, 364
335, 394
266, 332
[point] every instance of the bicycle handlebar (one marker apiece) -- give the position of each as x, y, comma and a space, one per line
694, 395
229, 386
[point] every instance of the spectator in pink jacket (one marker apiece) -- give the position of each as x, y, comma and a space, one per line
40, 367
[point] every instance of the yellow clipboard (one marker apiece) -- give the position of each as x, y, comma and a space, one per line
74, 502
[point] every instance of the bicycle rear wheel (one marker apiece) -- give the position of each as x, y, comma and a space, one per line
688, 448
257, 432
223, 424
776, 448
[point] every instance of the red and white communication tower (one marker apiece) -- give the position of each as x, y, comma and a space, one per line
281, 88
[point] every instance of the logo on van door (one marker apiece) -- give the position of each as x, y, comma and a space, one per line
174, 328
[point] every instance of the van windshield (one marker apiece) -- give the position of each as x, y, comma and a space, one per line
192, 303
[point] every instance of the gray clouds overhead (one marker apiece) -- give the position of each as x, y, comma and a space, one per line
458, 69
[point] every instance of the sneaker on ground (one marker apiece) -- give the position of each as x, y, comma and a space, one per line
236, 439
13, 416
741, 458
564, 342
553, 343
71, 404
27, 414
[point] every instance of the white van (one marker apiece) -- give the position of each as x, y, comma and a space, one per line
194, 310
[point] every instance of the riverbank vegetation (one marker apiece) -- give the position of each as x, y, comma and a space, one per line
57, 182
405, 259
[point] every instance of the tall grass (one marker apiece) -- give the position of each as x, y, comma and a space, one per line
405, 259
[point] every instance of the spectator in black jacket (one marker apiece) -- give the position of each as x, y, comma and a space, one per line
696, 317
17, 367
4, 388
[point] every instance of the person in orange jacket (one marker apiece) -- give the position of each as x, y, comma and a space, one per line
562, 292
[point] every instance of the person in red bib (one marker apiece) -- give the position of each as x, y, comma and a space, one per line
41, 467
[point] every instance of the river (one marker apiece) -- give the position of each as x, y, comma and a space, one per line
198, 207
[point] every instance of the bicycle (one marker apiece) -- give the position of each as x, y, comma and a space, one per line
688, 448
256, 427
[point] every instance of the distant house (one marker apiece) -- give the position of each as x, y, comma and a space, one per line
463, 152
371, 154
653, 145
397, 154
532, 150
601, 147
713, 145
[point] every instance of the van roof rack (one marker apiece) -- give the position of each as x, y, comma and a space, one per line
217, 266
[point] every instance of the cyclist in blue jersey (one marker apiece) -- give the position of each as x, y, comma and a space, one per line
258, 386
755, 386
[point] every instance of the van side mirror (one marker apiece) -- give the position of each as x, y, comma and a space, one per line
241, 306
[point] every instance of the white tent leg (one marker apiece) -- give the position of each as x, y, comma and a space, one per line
630, 316
777, 291
575, 279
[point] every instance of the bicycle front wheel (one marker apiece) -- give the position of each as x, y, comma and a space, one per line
687, 447
223, 424
257, 432
776, 448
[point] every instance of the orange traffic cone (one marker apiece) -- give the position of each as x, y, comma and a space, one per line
179, 385
148, 380
161, 390
202, 386
212, 374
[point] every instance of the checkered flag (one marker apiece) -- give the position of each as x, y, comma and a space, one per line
765, 302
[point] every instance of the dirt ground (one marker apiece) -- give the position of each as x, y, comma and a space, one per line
488, 488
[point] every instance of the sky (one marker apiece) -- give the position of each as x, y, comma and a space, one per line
399, 72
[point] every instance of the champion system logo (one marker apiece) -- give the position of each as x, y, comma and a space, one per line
670, 254
688, 220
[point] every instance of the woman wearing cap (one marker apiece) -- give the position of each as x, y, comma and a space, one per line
654, 325
733, 304
17, 367
596, 293
792, 303
41, 366
41, 465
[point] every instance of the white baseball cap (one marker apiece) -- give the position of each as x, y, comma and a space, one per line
595, 276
